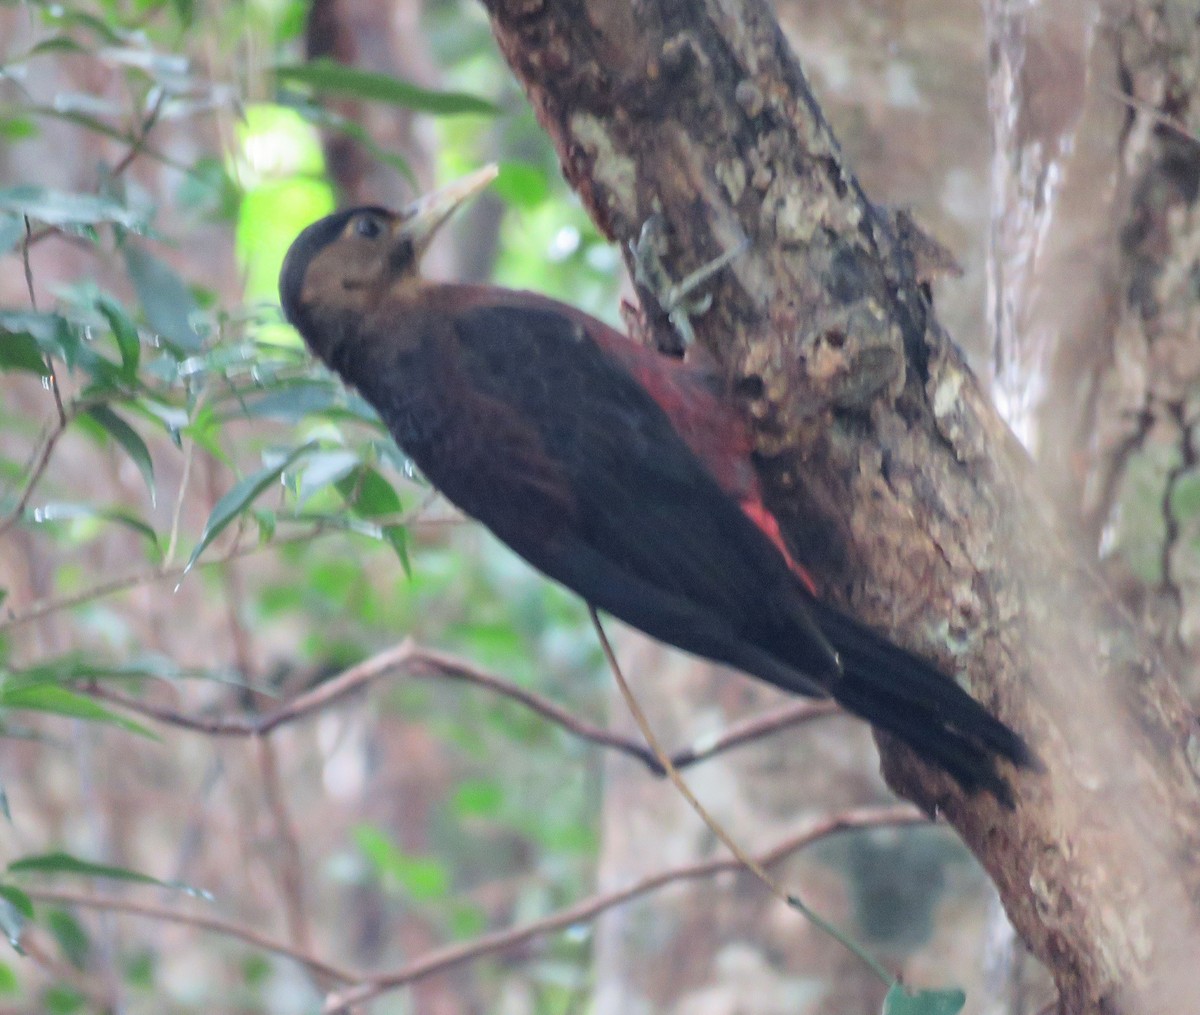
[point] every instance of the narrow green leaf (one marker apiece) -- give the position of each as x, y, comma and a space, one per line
326, 76
125, 332
75, 945
56, 700
128, 438
57, 44
65, 863
397, 538
168, 304
240, 496
18, 900
61, 512
925, 1002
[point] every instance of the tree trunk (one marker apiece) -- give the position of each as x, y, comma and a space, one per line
895, 478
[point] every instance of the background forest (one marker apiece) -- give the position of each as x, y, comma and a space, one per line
273, 713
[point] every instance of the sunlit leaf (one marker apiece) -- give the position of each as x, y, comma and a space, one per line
240, 496
56, 700
128, 439
65, 863
925, 1002
521, 184
168, 304
328, 77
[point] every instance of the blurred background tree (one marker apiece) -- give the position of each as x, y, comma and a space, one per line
200, 531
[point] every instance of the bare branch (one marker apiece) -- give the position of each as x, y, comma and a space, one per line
209, 923
442, 959
414, 661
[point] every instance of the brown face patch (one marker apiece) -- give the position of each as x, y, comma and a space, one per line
356, 270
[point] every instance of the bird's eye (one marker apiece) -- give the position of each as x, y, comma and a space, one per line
368, 226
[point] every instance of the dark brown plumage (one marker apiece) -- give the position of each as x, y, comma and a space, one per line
622, 474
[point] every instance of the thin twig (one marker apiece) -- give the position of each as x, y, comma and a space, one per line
442, 959
37, 468
43, 607
41, 457
750, 863
209, 923
1155, 114
138, 143
426, 663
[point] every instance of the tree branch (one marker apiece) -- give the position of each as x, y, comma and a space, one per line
898, 484
412, 660
495, 942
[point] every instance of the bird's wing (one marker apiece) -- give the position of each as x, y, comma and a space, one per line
648, 519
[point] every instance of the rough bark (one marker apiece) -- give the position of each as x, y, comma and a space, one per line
893, 474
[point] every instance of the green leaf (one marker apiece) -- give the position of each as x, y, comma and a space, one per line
478, 798
243, 493
323, 468
71, 938
326, 76
60, 208
12, 228
165, 299
59, 701
65, 863
128, 438
61, 512
125, 332
20, 352
423, 878
397, 537
522, 185
925, 1002
9, 984
13, 916
18, 900
62, 1000
368, 494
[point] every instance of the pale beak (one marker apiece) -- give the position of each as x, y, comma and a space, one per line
420, 221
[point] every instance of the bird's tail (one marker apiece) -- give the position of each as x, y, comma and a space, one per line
909, 698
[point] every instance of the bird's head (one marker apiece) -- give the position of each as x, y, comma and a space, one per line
350, 260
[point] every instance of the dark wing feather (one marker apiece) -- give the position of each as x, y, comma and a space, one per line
653, 539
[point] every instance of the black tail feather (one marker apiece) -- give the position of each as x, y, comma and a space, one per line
909, 698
